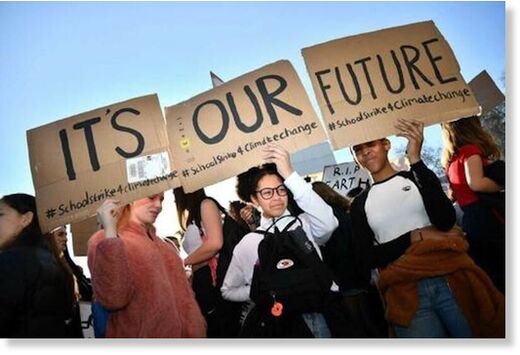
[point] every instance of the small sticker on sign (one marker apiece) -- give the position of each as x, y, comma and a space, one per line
185, 143
147, 167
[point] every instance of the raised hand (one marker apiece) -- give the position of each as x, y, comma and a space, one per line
413, 131
279, 156
108, 214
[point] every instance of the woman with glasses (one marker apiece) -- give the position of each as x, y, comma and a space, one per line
268, 187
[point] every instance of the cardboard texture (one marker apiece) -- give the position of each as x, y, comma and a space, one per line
220, 133
345, 176
364, 83
78, 162
81, 233
486, 91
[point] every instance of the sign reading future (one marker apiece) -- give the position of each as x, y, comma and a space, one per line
119, 151
364, 83
220, 133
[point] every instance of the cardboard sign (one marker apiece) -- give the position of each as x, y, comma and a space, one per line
220, 133
119, 151
486, 91
346, 176
364, 83
81, 233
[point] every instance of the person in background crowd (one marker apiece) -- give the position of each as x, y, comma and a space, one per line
139, 277
58, 243
404, 226
362, 304
175, 241
352, 193
201, 221
268, 187
468, 151
245, 214
31, 282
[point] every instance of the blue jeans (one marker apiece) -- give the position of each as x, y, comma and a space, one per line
317, 324
438, 315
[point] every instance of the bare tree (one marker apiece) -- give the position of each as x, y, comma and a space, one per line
431, 156
495, 122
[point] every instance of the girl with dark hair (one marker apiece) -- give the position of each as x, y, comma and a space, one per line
268, 187
404, 227
58, 243
201, 220
32, 296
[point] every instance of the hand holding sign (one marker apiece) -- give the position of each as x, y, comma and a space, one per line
413, 131
279, 156
108, 214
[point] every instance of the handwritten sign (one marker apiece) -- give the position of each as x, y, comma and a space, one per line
364, 83
220, 133
118, 151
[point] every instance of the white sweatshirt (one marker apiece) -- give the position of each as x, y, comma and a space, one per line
318, 223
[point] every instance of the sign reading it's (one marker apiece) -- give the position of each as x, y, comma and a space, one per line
119, 151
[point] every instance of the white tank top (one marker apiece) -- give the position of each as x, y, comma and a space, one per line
192, 238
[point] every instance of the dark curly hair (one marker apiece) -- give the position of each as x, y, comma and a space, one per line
247, 183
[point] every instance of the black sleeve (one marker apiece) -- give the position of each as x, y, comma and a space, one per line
369, 254
12, 294
438, 206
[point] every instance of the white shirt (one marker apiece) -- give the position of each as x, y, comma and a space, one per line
394, 207
318, 223
192, 238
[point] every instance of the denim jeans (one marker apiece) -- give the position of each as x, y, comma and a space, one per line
438, 315
317, 324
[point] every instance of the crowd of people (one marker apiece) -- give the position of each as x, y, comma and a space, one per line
291, 259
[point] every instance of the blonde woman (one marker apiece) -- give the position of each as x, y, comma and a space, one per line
468, 150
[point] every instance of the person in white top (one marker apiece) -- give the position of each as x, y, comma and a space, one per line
201, 220
267, 190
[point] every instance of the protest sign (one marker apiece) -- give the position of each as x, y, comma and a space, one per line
346, 176
486, 91
220, 133
364, 83
119, 151
81, 233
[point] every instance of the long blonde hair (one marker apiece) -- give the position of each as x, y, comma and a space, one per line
466, 131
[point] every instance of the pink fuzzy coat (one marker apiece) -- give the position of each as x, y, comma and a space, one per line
141, 279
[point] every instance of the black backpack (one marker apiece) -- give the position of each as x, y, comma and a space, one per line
289, 277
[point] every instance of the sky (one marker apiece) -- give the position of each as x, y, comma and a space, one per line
61, 59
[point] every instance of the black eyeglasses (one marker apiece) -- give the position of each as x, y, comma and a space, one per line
268, 192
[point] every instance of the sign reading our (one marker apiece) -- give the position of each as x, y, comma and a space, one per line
346, 176
220, 133
486, 91
119, 151
364, 83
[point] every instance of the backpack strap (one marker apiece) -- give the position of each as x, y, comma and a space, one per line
286, 228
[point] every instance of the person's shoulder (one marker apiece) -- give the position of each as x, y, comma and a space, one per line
96, 238
209, 203
249, 241
469, 149
18, 260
